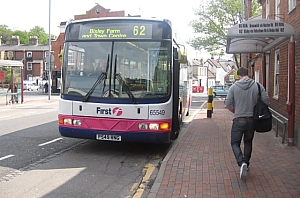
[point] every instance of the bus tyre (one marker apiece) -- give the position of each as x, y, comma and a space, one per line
178, 123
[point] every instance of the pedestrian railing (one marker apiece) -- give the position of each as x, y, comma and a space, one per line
12, 98
282, 120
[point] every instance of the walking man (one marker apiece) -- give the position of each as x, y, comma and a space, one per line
241, 98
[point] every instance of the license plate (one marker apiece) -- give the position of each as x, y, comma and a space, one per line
108, 137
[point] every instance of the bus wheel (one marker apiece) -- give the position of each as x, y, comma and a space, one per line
176, 133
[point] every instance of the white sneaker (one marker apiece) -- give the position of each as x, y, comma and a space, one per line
244, 171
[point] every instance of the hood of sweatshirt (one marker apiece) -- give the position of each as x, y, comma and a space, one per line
245, 83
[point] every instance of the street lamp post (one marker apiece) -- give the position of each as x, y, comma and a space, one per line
49, 54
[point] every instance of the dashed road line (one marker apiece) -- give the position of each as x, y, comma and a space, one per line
43, 144
5, 157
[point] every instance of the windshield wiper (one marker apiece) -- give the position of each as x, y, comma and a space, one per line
98, 81
102, 76
127, 90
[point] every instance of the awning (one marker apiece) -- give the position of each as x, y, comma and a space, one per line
257, 36
10, 63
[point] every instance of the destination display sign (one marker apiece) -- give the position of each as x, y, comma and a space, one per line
115, 31
262, 27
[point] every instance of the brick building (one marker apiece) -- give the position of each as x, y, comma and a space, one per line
272, 57
96, 12
99, 12
32, 54
282, 84
57, 45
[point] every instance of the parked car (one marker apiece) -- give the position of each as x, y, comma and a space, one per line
26, 83
32, 86
25, 86
220, 90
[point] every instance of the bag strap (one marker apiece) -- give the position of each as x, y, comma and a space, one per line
259, 93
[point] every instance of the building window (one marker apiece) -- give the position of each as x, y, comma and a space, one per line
292, 5
29, 66
29, 77
71, 58
10, 55
267, 70
277, 10
29, 54
202, 71
47, 68
276, 73
267, 9
231, 78
81, 58
256, 75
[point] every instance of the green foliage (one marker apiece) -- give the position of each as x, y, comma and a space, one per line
5, 33
256, 8
40, 33
23, 36
8, 76
214, 20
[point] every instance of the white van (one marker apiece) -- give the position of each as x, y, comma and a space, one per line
30, 85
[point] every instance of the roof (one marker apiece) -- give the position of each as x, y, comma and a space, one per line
195, 62
10, 63
210, 74
257, 36
22, 47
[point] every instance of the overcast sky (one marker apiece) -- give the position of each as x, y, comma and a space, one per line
25, 14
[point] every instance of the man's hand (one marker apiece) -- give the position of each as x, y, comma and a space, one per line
230, 108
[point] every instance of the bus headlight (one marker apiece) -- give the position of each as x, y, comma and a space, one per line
143, 126
77, 122
161, 126
153, 126
68, 121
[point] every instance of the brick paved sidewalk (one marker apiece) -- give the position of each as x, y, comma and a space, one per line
202, 164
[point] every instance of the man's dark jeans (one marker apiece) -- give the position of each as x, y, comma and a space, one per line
239, 129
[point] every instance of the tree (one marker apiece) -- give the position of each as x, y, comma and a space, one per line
5, 34
215, 18
23, 36
40, 33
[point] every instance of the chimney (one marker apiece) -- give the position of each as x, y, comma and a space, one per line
33, 40
15, 40
62, 27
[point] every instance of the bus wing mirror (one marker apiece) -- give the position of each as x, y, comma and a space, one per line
182, 57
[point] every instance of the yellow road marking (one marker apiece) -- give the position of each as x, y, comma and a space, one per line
149, 168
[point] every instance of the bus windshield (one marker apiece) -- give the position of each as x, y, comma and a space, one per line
119, 69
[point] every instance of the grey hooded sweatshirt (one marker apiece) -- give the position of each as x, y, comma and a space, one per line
243, 95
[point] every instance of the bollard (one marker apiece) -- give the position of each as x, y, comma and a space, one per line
210, 102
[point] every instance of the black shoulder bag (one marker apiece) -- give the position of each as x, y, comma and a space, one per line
262, 115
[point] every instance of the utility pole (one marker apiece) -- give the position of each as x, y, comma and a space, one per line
49, 54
